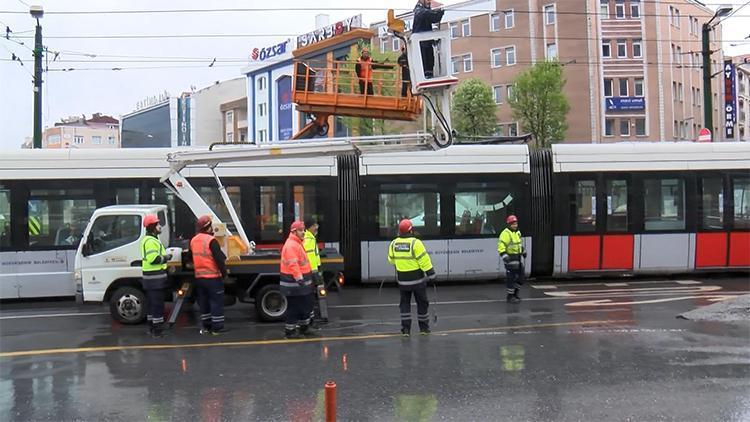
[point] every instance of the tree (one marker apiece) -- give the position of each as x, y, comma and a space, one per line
473, 109
539, 103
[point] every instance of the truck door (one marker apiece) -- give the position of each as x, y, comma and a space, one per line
111, 252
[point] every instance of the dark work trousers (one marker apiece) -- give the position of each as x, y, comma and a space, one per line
362, 87
298, 310
154, 286
420, 296
514, 279
428, 58
405, 88
211, 301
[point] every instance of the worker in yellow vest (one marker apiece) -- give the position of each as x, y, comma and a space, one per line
310, 243
154, 265
511, 250
413, 270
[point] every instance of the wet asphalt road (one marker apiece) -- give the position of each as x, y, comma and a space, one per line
568, 352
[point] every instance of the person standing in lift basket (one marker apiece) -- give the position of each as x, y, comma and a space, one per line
154, 260
511, 250
209, 263
413, 270
424, 17
296, 283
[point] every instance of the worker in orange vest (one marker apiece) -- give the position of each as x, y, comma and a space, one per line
296, 282
210, 271
364, 68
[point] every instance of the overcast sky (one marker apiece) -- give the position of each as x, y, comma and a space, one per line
116, 92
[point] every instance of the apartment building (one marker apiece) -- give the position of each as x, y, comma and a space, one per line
99, 131
633, 68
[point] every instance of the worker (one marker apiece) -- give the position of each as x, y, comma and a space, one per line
424, 17
313, 256
364, 68
296, 283
511, 250
403, 61
154, 258
413, 270
209, 263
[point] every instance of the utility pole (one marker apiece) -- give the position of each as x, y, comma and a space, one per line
37, 12
708, 107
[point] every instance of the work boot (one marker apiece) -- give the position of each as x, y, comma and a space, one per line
219, 331
204, 330
405, 332
150, 330
291, 334
515, 294
157, 333
424, 332
305, 330
512, 299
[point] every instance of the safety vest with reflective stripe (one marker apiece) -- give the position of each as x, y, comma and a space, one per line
295, 278
151, 247
203, 260
311, 248
35, 226
509, 242
412, 262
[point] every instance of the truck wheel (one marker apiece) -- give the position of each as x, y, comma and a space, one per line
270, 304
128, 305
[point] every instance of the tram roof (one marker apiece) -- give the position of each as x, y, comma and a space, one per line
651, 156
128, 163
463, 159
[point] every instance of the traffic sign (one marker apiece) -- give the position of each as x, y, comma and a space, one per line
704, 135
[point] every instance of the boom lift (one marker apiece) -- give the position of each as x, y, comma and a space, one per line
331, 100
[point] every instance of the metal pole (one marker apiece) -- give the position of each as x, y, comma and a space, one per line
38, 86
708, 112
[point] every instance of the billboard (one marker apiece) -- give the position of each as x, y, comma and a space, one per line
625, 103
284, 107
730, 99
183, 121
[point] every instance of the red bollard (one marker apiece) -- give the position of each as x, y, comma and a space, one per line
330, 401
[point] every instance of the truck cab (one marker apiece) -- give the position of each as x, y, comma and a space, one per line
108, 260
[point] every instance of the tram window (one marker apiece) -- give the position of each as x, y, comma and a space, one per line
4, 216
304, 204
482, 211
741, 202
664, 204
269, 225
163, 196
216, 203
617, 205
712, 193
585, 201
112, 231
422, 208
55, 219
127, 196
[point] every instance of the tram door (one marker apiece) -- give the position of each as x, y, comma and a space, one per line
601, 235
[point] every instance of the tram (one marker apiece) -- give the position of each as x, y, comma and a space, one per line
625, 208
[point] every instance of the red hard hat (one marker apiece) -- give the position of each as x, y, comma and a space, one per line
511, 219
404, 226
297, 225
150, 219
203, 222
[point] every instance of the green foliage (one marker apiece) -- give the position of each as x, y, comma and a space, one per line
539, 104
473, 109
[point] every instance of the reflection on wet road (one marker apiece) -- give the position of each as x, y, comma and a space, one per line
540, 360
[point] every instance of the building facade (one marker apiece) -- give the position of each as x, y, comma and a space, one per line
209, 118
99, 131
633, 68
162, 122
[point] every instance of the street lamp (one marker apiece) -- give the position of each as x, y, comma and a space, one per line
37, 12
708, 107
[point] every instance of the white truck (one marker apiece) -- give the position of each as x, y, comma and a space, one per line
108, 266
